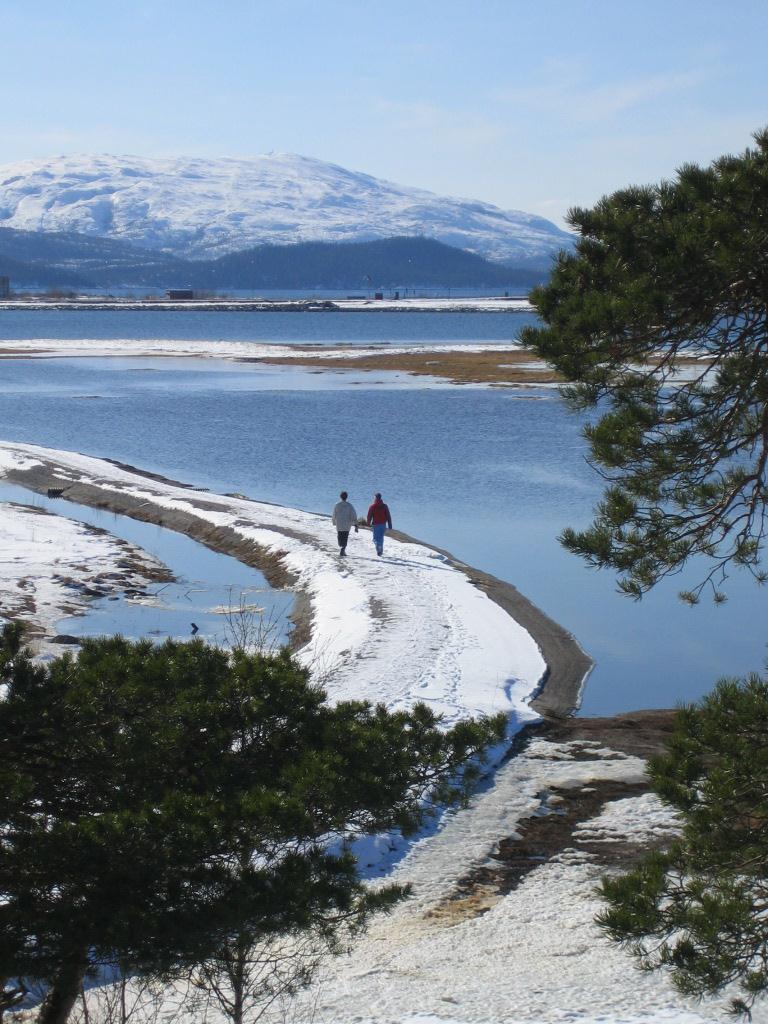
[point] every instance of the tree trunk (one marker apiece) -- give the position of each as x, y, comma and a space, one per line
237, 1009
64, 990
237, 975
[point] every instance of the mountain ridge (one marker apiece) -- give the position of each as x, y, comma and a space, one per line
199, 208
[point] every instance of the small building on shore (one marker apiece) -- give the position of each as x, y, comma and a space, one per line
180, 294
5, 287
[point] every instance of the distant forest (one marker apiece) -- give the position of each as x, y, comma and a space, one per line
33, 259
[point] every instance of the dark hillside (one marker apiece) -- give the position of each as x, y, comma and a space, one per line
387, 263
70, 259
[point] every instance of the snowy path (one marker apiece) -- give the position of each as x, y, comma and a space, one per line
531, 955
407, 627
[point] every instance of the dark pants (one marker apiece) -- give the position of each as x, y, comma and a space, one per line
343, 537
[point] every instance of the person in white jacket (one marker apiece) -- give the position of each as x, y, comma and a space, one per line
344, 518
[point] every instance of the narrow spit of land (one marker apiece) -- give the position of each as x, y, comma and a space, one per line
460, 363
497, 366
407, 627
493, 365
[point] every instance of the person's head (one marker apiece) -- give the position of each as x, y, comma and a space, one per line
343, 495
377, 495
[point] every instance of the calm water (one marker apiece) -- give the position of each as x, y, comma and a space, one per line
492, 475
283, 328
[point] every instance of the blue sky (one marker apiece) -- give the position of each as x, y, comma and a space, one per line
531, 105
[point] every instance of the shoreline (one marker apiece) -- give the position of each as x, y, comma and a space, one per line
566, 666
479, 304
494, 365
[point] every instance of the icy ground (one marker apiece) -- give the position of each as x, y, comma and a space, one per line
208, 207
47, 561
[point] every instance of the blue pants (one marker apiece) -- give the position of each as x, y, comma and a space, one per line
378, 536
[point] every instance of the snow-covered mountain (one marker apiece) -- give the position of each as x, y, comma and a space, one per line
198, 208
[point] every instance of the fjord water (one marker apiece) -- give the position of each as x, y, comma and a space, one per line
493, 475
328, 328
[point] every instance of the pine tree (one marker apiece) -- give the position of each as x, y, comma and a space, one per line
659, 322
660, 316
157, 800
699, 909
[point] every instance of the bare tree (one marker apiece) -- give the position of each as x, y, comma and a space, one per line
128, 998
247, 978
249, 627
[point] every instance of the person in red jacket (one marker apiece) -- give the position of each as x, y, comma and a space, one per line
380, 519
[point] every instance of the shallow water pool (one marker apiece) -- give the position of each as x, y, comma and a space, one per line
218, 594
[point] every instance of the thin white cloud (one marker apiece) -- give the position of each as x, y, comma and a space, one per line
566, 93
607, 101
